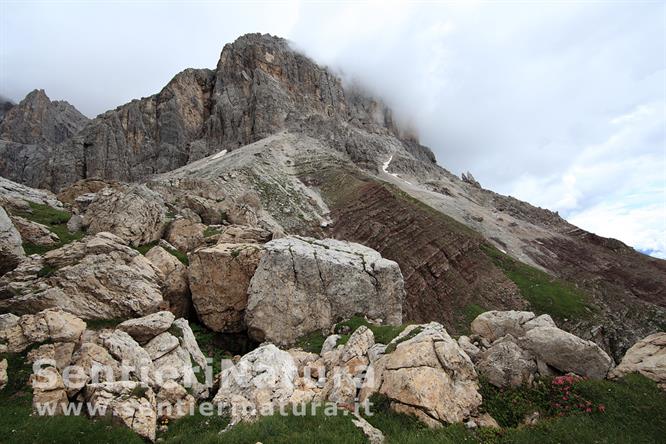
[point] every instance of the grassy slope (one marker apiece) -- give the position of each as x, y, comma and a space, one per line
545, 293
55, 220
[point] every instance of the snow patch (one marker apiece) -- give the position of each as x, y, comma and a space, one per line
218, 155
385, 169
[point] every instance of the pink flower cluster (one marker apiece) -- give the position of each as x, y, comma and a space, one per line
566, 398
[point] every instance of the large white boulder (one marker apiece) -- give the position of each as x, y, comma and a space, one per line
303, 285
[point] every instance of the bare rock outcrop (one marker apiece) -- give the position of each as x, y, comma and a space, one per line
493, 325
147, 327
37, 119
647, 357
429, 376
262, 380
567, 352
185, 234
98, 277
173, 273
11, 248
33, 232
135, 214
506, 364
303, 285
129, 402
219, 278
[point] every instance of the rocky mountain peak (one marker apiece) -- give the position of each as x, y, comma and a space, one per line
37, 119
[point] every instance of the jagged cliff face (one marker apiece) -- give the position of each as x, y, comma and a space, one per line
259, 87
324, 160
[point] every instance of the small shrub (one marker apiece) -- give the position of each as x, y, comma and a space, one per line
46, 271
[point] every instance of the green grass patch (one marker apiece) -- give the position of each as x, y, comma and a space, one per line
211, 231
55, 220
412, 334
510, 406
46, 271
290, 429
545, 293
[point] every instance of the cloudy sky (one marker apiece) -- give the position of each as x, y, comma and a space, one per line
562, 104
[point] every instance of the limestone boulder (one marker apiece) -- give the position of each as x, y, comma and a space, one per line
505, 364
185, 234
429, 376
173, 401
4, 378
33, 232
11, 247
134, 213
647, 357
145, 328
261, 380
131, 403
98, 277
303, 285
567, 352
492, 325
173, 274
219, 278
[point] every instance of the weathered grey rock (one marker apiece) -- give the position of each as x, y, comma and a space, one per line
263, 379
48, 392
12, 339
493, 325
567, 352
18, 196
52, 324
129, 353
98, 277
173, 401
219, 278
4, 379
160, 345
59, 353
11, 249
132, 403
34, 233
505, 364
147, 327
173, 273
466, 344
647, 357
136, 214
188, 341
329, 344
430, 376
92, 363
185, 235
354, 354
321, 282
